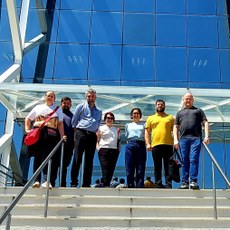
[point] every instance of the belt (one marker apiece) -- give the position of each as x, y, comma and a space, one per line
137, 141
86, 131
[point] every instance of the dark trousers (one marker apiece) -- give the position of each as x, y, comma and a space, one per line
162, 153
67, 156
41, 150
108, 160
85, 143
135, 161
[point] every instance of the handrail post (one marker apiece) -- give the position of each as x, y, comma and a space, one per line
8, 222
47, 187
61, 164
214, 192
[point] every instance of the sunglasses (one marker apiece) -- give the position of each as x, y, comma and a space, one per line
111, 118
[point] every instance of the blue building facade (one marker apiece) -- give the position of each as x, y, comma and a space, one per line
134, 43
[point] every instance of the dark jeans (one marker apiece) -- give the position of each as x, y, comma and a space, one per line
67, 156
190, 152
162, 153
85, 143
135, 161
108, 160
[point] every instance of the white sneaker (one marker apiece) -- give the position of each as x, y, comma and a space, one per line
44, 185
36, 184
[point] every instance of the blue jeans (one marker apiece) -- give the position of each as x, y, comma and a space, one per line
190, 153
135, 160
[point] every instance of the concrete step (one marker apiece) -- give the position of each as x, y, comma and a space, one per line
124, 208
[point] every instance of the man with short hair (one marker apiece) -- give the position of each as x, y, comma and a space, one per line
187, 133
86, 121
160, 126
66, 105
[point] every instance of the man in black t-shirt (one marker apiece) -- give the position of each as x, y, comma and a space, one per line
187, 133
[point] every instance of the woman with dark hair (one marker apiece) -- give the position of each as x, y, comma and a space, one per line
108, 137
135, 152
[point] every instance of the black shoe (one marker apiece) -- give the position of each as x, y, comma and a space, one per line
160, 186
73, 185
194, 185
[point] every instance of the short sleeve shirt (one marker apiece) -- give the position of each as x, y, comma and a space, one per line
161, 127
190, 122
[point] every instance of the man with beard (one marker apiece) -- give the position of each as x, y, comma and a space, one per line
160, 126
66, 104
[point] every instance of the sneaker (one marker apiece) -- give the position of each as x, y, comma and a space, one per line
184, 186
44, 185
194, 185
36, 184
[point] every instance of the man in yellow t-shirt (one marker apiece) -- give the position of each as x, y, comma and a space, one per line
159, 140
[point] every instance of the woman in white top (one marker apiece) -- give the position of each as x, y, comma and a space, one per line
108, 138
49, 137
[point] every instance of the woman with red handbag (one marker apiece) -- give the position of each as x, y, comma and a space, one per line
49, 136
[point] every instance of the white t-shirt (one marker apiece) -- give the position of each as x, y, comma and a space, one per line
109, 137
40, 112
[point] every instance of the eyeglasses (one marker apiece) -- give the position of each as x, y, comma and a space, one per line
111, 118
136, 113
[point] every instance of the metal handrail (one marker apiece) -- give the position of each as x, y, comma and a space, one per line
27, 185
215, 164
23, 180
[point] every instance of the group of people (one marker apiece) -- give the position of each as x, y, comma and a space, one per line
83, 133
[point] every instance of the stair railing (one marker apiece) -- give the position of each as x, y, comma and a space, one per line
7, 211
215, 164
14, 177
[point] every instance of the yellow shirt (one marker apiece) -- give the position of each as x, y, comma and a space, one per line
160, 127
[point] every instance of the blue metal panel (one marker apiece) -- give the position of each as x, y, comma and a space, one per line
171, 6
106, 28
202, 31
140, 6
138, 64
139, 29
105, 63
171, 30
74, 26
203, 65
171, 64
108, 5
69, 59
202, 6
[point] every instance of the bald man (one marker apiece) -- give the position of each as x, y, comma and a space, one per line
187, 132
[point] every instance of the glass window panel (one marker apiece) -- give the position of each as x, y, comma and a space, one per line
223, 32
202, 6
171, 64
171, 6
138, 63
4, 26
222, 7
140, 6
71, 61
225, 65
202, 31
105, 62
108, 5
6, 56
74, 26
170, 30
139, 29
76, 5
203, 65
107, 28
28, 65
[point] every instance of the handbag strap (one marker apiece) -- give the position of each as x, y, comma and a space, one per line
49, 117
175, 153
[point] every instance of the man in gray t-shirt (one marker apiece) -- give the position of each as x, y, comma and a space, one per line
187, 133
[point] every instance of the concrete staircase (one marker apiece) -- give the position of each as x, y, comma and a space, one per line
106, 208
